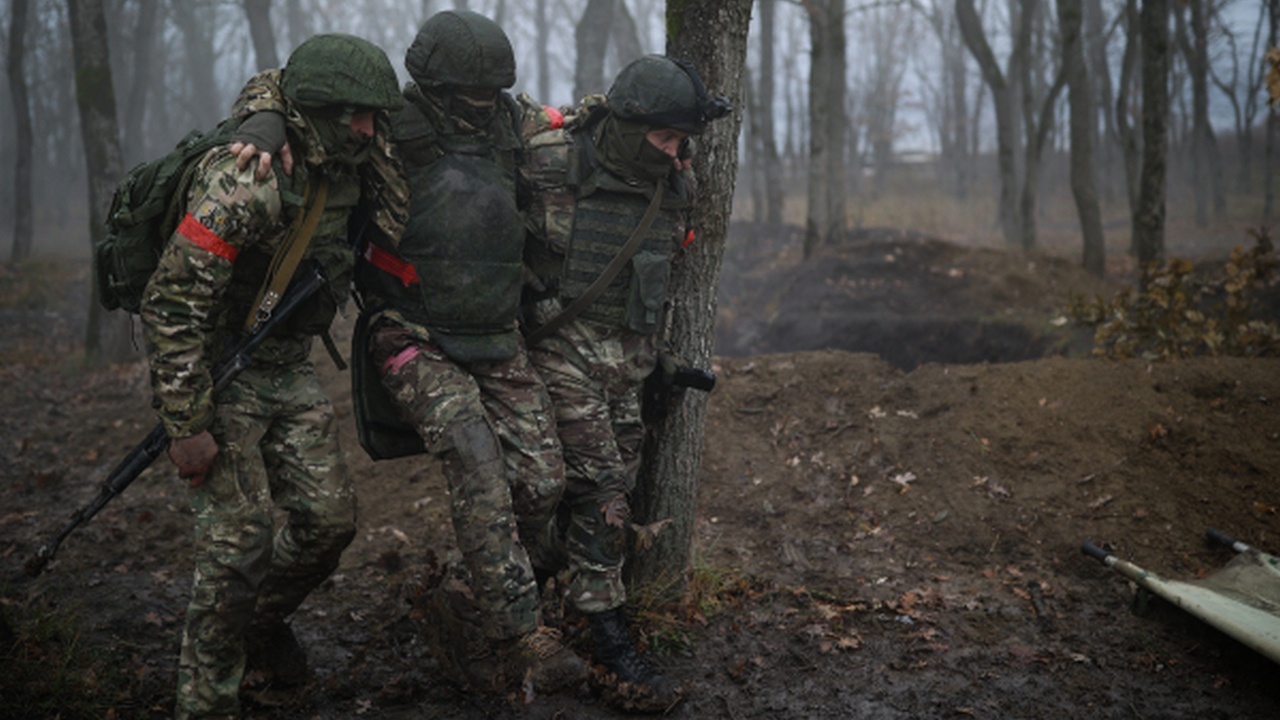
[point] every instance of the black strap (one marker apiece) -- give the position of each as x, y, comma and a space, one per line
615, 266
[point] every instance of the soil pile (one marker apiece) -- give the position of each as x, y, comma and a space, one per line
871, 541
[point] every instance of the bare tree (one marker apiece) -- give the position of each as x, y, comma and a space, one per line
193, 21
1272, 125
99, 131
889, 33
950, 104
1037, 118
1127, 109
15, 66
1002, 97
1244, 100
591, 37
1084, 122
713, 36
771, 164
1206, 163
143, 45
1150, 212
825, 216
264, 39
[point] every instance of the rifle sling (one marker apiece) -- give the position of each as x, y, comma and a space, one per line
289, 254
583, 301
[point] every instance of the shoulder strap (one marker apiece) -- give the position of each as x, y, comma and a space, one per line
615, 266
289, 254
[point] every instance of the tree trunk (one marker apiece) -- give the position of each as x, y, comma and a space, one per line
1272, 125
542, 42
713, 36
771, 165
202, 87
1006, 117
144, 44
1130, 136
1150, 212
591, 37
22, 205
827, 121
100, 132
1084, 123
626, 40
264, 39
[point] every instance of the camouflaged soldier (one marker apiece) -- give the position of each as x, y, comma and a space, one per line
440, 328
442, 307
269, 440
614, 171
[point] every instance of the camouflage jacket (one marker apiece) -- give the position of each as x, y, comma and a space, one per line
196, 303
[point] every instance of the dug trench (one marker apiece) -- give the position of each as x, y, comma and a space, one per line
882, 531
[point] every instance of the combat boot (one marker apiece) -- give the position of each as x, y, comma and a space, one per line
274, 656
540, 660
637, 684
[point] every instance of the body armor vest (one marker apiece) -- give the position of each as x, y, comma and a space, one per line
602, 223
458, 268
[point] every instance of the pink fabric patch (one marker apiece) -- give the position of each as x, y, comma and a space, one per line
397, 361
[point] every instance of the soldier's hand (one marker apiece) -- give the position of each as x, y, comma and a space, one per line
193, 456
259, 135
245, 153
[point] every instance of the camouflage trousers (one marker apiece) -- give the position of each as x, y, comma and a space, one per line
595, 374
278, 442
492, 425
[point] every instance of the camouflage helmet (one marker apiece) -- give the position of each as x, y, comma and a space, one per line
463, 48
663, 92
340, 69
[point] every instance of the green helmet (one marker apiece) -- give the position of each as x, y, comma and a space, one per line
340, 69
463, 48
663, 92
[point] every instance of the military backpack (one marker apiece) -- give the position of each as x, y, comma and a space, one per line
145, 210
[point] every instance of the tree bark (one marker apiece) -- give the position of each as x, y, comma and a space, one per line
1006, 117
1130, 136
144, 44
769, 160
1150, 212
22, 168
591, 37
1084, 123
827, 122
264, 39
100, 133
713, 36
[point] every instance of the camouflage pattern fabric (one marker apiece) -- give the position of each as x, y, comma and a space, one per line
274, 426
504, 519
279, 448
594, 373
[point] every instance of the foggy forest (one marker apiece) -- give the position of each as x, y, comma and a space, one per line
978, 280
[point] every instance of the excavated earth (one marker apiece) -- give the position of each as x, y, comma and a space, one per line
902, 458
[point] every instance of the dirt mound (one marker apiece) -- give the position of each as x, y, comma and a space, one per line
870, 542
907, 297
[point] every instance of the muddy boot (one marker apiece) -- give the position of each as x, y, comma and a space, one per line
635, 685
274, 657
540, 662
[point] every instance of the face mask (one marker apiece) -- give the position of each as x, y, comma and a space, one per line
341, 143
624, 151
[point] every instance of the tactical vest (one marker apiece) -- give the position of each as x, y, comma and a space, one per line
582, 216
329, 250
458, 268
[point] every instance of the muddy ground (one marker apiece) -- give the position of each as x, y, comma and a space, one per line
888, 533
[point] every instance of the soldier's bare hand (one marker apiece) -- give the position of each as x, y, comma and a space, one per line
246, 152
193, 456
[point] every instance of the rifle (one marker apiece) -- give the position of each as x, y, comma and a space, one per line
304, 285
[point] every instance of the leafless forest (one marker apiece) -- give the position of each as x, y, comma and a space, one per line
933, 114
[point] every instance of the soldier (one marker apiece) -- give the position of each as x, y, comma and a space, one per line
613, 184
269, 440
440, 328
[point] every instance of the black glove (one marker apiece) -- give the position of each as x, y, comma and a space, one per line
263, 130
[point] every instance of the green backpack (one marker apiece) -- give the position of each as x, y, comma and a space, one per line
145, 210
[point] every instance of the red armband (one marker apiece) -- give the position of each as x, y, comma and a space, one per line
205, 239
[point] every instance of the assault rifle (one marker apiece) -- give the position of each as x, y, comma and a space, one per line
305, 284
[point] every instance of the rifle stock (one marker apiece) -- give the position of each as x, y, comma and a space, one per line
304, 285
